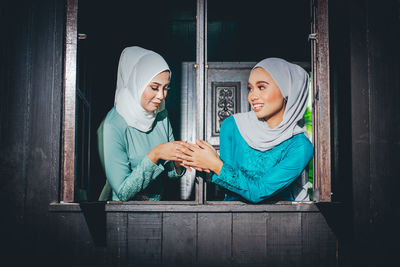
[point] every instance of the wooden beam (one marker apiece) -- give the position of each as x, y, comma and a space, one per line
68, 121
321, 103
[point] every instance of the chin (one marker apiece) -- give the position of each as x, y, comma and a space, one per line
151, 108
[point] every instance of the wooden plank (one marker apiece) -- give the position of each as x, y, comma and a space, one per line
72, 243
226, 207
321, 106
68, 124
117, 239
201, 61
319, 243
214, 240
249, 239
144, 239
360, 121
384, 85
179, 239
284, 239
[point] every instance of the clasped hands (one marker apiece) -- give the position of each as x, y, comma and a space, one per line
201, 156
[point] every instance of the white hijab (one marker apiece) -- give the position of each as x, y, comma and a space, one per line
137, 67
293, 83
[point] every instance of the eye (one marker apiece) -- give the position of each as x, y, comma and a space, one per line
261, 87
154, 88
166, 88
249, 88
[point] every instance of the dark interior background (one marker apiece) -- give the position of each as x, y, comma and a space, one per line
243, 31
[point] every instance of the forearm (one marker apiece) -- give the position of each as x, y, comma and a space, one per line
138, 179
250, 185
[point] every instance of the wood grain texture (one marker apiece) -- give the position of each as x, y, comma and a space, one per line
144, 239
249, 240
117, 240
318, 241
179, 232
284, 242
360, 128
69, 97
214, 240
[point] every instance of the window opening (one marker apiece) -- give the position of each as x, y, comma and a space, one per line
199, 40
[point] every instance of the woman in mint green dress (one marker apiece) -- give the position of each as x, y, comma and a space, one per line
262, 152
135, 140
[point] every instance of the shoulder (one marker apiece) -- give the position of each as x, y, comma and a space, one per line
228, 123
114, 122
299, 143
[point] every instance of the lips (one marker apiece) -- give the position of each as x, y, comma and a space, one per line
257, 106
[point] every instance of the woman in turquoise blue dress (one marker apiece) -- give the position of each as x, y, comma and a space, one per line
135, 140
262, 152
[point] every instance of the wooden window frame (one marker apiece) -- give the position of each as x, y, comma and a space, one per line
321, 105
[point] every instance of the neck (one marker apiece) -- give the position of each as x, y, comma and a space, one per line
276, 118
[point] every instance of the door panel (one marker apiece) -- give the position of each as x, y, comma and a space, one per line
226, 94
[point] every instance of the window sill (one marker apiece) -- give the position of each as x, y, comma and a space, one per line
218, 206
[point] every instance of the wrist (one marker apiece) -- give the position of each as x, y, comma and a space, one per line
153, 155
217, 166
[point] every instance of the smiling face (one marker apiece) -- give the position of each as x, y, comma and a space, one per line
265, 97
155, 92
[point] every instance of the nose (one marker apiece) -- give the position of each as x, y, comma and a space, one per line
160, 94
253, 96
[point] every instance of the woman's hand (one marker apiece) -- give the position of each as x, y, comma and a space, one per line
201, 156
168, 151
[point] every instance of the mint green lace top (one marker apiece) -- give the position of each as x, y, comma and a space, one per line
254, 175
130, 173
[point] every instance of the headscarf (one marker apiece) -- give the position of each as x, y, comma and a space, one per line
293, 84
137, 67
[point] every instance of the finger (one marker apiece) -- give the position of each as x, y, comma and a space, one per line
184, 150
207, 144
188, 146
187, 168
184, 157
200, 144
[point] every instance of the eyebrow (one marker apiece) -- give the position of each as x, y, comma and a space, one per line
258, 82
262, 82
167, 84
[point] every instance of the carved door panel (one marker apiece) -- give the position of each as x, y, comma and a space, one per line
226, 94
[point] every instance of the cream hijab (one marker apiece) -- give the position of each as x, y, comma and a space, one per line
137, 67
293, 83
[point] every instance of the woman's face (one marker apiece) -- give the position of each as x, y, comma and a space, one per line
155, 92
265, 97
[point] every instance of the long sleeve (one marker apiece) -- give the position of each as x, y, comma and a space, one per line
255, 182
170, 166
124, 181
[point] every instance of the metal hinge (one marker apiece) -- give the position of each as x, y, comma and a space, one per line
82, 36
313, 36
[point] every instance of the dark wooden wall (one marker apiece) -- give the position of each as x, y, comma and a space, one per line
365, 70
31, 50
375, 128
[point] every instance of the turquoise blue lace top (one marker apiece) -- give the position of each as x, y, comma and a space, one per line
131, 174
255, 175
